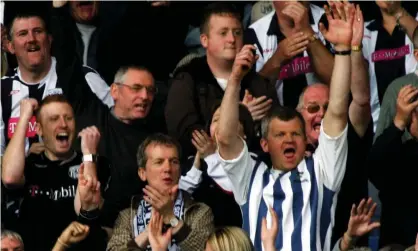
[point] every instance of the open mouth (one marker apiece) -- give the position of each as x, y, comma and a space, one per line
289, 152
317, 126
168, 180
34, 48
141, 106
62, 137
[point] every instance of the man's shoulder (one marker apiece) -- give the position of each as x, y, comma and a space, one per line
400, 82
262, 25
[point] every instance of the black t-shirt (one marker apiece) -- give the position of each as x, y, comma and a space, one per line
48, 198
354, 187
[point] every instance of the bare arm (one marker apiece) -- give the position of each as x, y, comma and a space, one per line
339, 33
408, 22
229, 143
14, 156
359, 110
321, 59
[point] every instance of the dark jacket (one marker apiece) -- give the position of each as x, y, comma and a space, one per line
393, 170
193, 92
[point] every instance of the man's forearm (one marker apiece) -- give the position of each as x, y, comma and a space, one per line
335, 118
408, 23
322, 61
359, 112
14, 156
271, 68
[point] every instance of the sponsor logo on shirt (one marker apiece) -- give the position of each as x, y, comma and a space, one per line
73, 172
14, 92
11, 127
53, 194
298, 66
390, 54
54, 91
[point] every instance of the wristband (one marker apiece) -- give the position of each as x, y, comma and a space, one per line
342, 53
357, 48
90, 215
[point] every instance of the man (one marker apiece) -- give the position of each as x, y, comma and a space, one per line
392, 169
39, 75
197, 87
388, 107
49, 179
313, 103
190, 223
301, 191
11, 241
290, 48
387, 46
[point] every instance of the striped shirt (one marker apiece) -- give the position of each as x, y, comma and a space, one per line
14, 90
304, 198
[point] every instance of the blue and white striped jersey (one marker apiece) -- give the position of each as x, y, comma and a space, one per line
304, 198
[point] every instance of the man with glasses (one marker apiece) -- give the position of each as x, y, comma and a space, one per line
123, 128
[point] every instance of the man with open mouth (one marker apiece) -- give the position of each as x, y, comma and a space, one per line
48, 180
302, 191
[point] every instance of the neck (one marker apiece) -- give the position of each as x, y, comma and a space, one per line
37, 74
388, 19
53, 157
220, 68
120, 115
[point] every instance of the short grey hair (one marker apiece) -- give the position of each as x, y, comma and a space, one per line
121, 73
284, 114
12, 235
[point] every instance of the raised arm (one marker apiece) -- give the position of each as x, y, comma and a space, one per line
14, 157
340, 34
229, 143
406, 21
359, 111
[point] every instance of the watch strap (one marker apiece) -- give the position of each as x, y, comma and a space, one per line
90, 158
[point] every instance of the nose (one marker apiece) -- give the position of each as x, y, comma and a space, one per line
143, 93
63, 122
31, 36
231, 37
321, 112
288, 138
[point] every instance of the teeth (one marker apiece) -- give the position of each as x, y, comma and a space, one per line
63, 134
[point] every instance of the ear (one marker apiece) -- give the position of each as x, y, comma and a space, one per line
10, 47
50, 39
114, 91
141, 174
264, 145
38, 129
204, 40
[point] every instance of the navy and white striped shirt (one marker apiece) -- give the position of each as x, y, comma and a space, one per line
304, 198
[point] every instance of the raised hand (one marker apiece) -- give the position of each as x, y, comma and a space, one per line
89, 192
258, 107
74, 233
162, 202
37, 148
340, 18
90, 137
268, 235
159, 241
407, 102
203, 143
292, 46
59, 3
300, 16
358, 27
27, 107
359, 223
244, 60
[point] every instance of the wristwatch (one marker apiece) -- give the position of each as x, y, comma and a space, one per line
90, 158
313, 37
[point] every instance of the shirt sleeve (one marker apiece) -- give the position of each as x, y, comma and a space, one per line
191, 180
331, 158
239, 171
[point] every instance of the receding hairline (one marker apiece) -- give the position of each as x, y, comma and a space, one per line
301, 101
12, 24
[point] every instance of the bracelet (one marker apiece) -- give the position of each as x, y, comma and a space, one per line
342, 53
357, 48
62, 243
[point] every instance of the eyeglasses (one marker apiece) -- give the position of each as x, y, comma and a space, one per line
136, 88
314, 108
